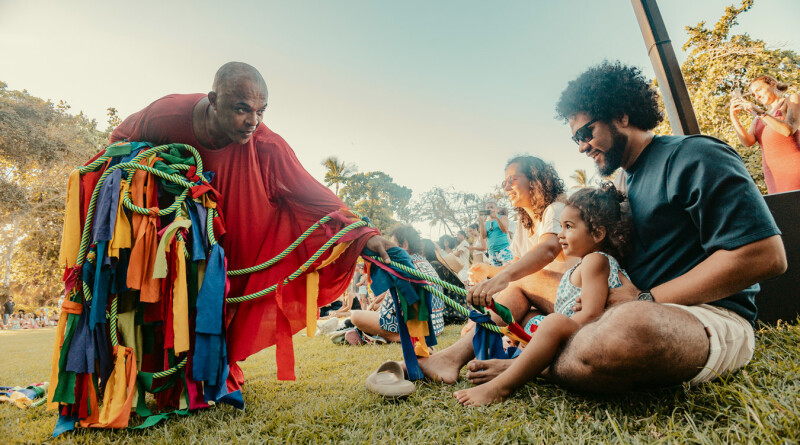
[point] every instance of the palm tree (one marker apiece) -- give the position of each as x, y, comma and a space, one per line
337, 172
581, 178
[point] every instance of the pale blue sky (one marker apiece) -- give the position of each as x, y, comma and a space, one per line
433, 93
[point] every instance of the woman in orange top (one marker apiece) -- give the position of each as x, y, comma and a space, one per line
775, 130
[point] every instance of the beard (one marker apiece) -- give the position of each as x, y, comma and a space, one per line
613, 157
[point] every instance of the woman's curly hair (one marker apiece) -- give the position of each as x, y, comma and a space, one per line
546, 186
406, 233
606, 207
610, 91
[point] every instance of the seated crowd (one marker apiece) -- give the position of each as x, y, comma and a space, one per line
645, 284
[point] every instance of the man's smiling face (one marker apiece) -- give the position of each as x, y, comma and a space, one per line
600, 141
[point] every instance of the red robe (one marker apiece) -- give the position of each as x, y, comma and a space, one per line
268, 200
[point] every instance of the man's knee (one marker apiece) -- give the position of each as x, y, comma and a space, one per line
634, 344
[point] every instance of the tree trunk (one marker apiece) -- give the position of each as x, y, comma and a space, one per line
9, 255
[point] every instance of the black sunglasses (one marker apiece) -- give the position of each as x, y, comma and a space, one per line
584, 134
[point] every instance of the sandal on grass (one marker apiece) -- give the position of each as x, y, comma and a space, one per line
388, 381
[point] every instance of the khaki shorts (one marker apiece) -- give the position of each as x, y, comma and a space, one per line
731, 340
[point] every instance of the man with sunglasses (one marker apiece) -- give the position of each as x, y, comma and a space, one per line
702, 240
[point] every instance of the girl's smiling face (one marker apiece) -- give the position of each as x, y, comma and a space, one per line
575, 237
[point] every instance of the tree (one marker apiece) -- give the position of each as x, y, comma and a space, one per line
40, 143
375, 195
337, 172
721, 62
448, 208
581, 179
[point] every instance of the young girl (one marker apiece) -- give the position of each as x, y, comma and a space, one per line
594, 229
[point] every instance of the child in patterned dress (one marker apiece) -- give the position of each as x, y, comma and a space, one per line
594, 228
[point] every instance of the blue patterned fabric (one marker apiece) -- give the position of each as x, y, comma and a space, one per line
388, 315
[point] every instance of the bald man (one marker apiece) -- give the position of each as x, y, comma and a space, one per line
268, 200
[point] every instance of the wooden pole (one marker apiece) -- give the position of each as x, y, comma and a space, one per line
668, 72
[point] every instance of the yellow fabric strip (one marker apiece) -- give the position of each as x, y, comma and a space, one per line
312, 288
123, 235
119, 392
71, 234
160, 266
180, 303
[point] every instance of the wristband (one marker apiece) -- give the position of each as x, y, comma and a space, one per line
646, 296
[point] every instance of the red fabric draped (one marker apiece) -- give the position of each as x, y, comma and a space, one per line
268, 200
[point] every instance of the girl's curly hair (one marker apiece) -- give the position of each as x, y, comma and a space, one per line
606, 207
546, 186
609, 91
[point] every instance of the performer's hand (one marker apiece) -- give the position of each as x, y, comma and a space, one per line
379, 244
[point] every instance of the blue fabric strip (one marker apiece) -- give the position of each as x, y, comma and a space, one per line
197, 214
105, 214
80, 357
101, 285
64, 424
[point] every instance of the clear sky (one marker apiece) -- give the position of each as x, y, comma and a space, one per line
432, 93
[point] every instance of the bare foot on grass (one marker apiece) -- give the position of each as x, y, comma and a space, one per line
480, 395
440, 367
482, 371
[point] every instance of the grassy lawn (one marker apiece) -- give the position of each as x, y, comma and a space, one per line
328, 403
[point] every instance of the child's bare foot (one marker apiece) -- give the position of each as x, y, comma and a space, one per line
482, 371
480, 395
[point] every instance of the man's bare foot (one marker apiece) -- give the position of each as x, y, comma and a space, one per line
480, 395
482, 371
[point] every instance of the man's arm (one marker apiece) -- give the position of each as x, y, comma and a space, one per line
720, 275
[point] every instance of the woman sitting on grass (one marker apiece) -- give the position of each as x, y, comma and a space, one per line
384, 322
594, 229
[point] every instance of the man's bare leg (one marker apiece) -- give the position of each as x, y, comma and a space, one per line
537, 290
635, 345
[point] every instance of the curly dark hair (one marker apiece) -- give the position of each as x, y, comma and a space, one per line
546, 186
406, 233
610, 91
606, 207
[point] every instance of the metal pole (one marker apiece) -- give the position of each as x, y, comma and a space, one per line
668, 72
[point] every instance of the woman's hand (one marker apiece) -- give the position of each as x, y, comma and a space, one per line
481, 294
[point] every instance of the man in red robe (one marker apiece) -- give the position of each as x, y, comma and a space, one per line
267, 200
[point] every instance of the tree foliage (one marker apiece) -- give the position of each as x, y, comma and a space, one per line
375, 195
337, 172
40, 143
720, 62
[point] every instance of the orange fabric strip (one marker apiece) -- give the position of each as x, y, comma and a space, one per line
122, 237
312, 288
120, 389
71, 233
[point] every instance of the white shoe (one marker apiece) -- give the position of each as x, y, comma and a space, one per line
328, 325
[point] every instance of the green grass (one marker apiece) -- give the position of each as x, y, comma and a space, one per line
328, 403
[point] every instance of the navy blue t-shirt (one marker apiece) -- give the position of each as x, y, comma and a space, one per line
691, 196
